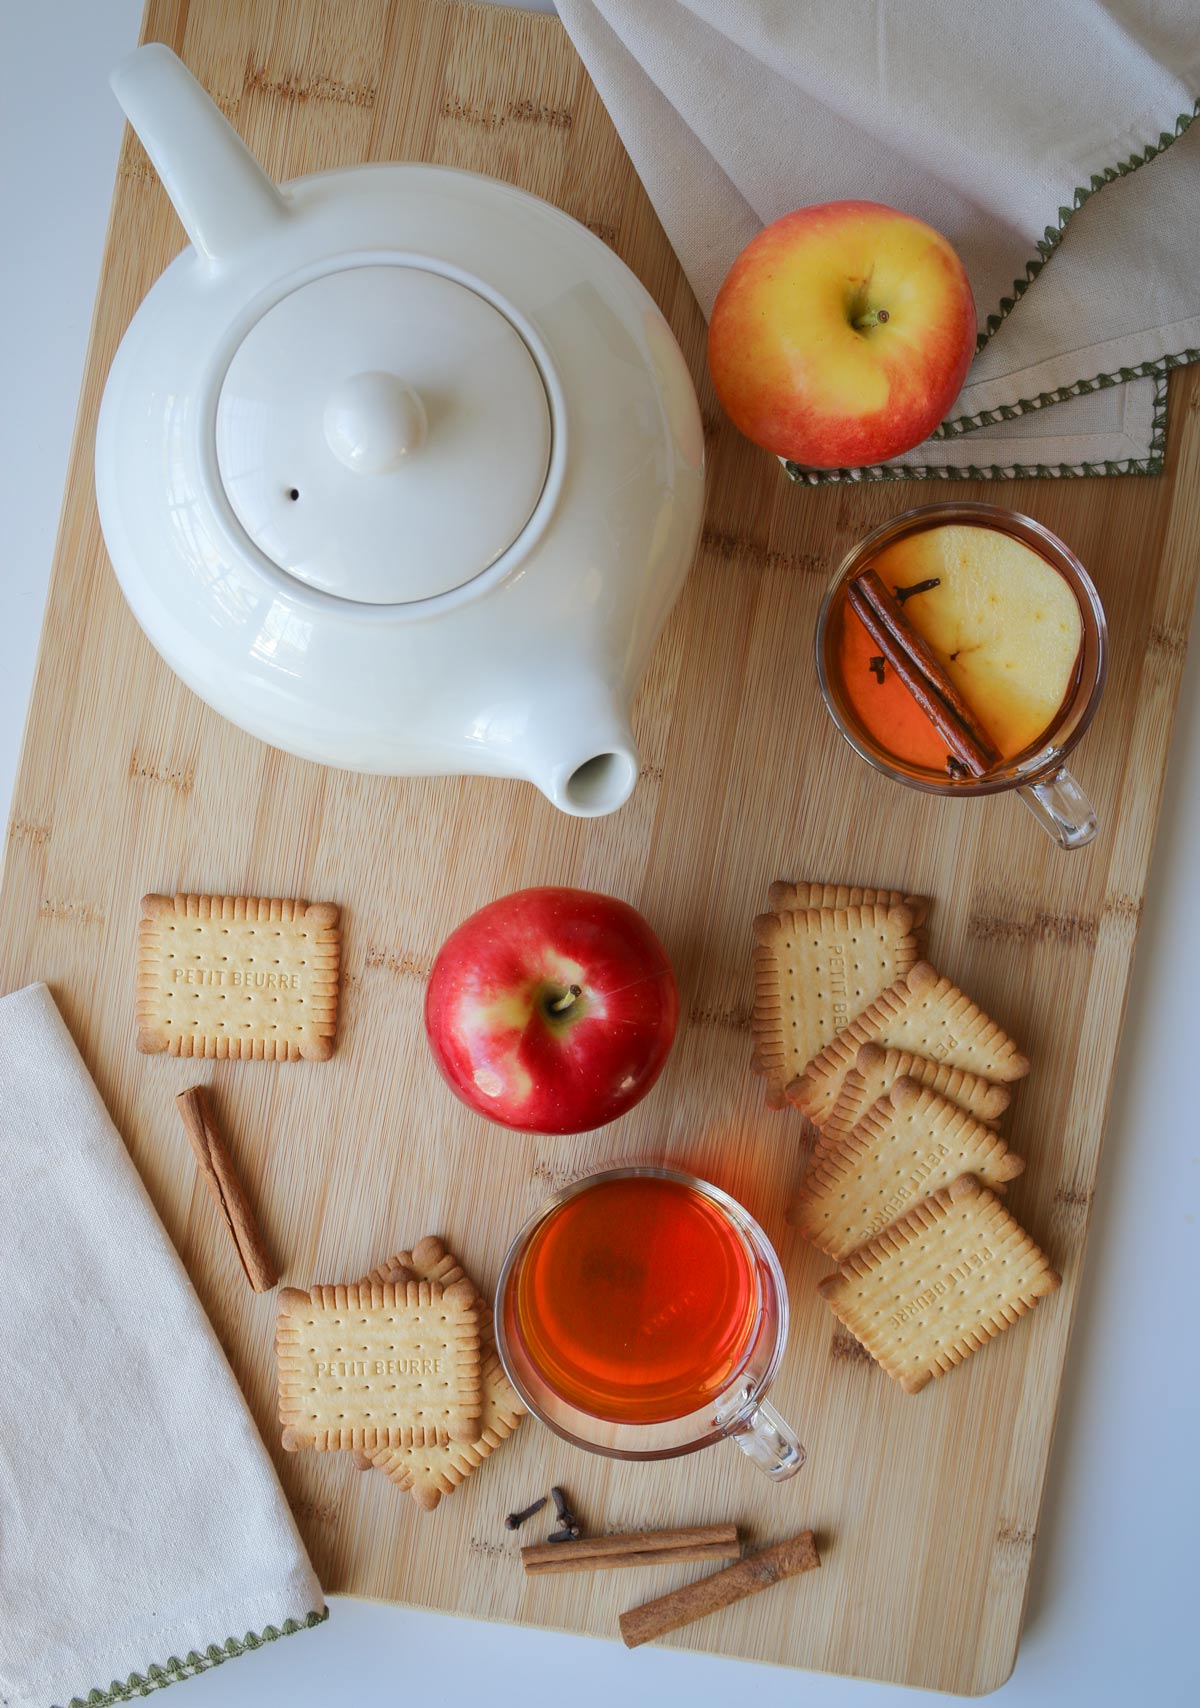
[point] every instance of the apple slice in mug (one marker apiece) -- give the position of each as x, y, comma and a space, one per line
552, 1010
1003, 622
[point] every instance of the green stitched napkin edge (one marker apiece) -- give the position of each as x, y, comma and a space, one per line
171, 1671
1160, 367
1054, 233
1153, 464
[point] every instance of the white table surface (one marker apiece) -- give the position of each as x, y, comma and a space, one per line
1113, 1610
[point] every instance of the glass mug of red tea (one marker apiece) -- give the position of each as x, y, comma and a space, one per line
961, 649
642, 1313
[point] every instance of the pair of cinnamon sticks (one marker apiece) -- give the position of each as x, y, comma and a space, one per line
655, 1547
921, 672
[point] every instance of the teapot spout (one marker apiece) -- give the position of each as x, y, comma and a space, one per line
218, 189
591, 766
601, 783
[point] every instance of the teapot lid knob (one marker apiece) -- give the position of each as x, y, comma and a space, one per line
373, 421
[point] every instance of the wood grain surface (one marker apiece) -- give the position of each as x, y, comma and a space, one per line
926, 1508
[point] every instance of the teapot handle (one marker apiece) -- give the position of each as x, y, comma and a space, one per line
216, 186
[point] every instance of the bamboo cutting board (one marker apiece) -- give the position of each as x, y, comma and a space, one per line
927, 1507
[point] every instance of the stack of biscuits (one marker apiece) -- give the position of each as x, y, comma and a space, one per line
400, 1370
904, 1078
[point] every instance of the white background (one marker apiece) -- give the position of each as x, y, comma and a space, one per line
1113, 1611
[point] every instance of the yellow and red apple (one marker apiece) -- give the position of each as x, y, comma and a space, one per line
842, 334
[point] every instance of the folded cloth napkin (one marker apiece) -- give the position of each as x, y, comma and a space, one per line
998, 125
143, 1532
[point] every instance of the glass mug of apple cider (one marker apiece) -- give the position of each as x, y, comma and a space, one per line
642, 1313
962, 649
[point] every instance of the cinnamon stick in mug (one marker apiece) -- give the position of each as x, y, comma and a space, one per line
217, 1169
709, 1595
921, 672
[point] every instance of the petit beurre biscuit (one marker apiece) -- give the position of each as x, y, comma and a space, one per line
814, 970
925, 1014
368, 1366
786, 898
237, 977
938, 1284
910, 1143
428, 1473
876, 1071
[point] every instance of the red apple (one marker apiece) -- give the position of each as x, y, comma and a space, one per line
552, 1010
842, 334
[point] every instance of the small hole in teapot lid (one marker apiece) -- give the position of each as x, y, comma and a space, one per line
293, 493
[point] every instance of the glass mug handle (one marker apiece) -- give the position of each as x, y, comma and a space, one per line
1061, 808
765, 1439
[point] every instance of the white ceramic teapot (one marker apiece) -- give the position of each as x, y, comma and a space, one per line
400, 468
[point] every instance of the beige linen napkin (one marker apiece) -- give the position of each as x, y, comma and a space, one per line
998, 125
143, 1533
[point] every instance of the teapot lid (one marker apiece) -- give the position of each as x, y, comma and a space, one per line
383, 433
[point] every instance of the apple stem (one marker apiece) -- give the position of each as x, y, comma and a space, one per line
873, 317
563, 1002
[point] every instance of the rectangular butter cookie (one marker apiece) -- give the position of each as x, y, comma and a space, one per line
907, 1145
815, 969
237, 978
940, 1283
368, 1366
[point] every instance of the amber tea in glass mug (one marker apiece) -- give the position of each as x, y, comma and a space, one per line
642, 1313
888, 727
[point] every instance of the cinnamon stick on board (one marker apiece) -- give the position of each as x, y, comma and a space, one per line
921, 672
216, 1167
708, 1595
632, 1548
